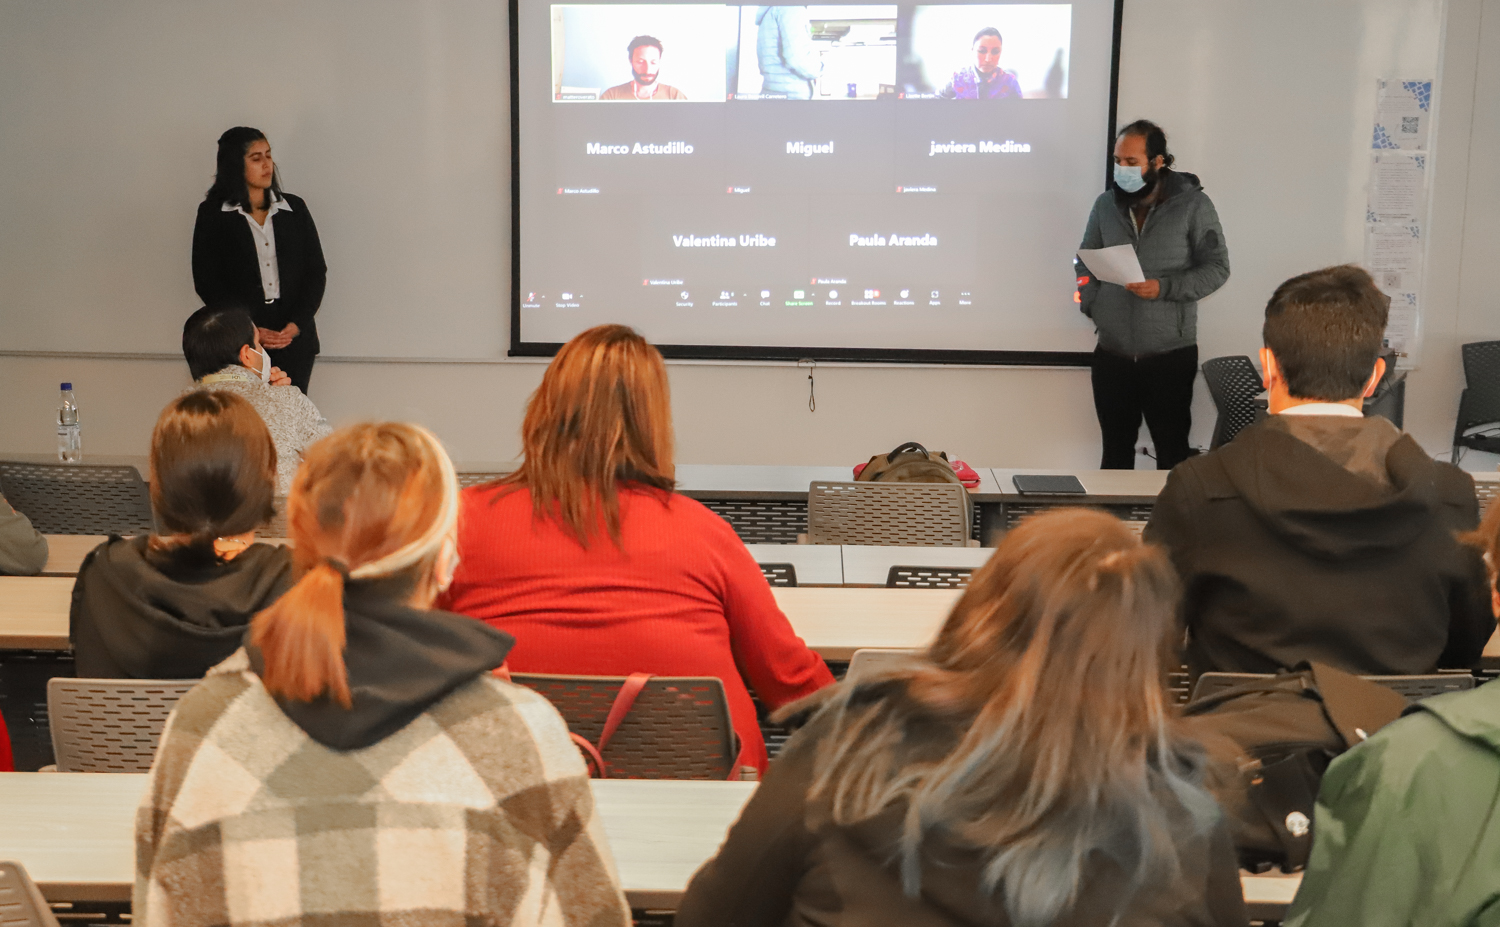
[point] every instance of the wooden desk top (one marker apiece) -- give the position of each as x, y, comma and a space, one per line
837, 622
871, 566
728, 481
65, 552
34, 612
75, 834
834, 621
816, 564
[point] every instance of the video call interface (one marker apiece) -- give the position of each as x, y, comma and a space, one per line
841, 176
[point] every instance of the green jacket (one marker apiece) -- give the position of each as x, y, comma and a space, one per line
1406, 831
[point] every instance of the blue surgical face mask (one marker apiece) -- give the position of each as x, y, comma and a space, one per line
1129, 179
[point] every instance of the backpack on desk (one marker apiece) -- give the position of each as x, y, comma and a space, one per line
913, 463
1269, 743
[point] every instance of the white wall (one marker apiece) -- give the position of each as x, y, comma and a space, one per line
1268, 100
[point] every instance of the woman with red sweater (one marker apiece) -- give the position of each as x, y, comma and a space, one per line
594, 564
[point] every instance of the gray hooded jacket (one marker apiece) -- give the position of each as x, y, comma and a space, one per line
784, 50
1181, 244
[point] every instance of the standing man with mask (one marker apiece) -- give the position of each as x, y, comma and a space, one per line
1147, 357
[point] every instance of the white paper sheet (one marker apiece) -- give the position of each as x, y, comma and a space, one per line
1393, 255
1398, 187
1402, 112
1113, 265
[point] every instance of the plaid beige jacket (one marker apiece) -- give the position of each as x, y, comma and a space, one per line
478, 812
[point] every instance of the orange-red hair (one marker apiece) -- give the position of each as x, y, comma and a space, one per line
369, 501
602, 417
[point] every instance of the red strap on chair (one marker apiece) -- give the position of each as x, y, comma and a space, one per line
624, 699
590, 755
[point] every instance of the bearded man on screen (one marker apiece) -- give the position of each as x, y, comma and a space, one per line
645, 66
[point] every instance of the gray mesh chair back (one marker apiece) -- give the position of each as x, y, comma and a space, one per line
465, 480
1233, 382
779, 574
110, 725
1415, 688
1479, 403
678, 728
912, 577
902, 514
868, 659
78, 498
21, 902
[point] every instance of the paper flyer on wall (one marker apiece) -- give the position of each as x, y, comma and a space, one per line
1403, 109
1398, 187
1396, 207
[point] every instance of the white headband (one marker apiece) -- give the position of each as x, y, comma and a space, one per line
442, 526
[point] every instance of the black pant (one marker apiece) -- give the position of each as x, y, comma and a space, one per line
296, 360
1158, 387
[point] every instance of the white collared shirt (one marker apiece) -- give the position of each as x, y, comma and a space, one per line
265, 246
1323, 408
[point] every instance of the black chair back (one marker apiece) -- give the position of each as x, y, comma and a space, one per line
1233, 382
78, 498
1480, 402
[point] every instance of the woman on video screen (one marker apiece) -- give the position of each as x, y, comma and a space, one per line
984, 79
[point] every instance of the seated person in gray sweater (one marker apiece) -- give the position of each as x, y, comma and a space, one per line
223, 352
23, 550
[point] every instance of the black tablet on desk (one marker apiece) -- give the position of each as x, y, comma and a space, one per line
1048, 485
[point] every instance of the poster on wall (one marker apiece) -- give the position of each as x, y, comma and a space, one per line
1396, 208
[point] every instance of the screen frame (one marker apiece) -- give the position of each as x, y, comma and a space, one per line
519, 348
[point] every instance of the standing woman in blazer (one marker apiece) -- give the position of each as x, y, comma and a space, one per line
256, 247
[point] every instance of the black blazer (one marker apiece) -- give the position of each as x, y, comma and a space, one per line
225, 272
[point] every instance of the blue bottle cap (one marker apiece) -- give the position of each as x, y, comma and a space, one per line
67, 386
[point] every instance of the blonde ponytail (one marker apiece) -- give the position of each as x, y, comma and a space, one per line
369, 501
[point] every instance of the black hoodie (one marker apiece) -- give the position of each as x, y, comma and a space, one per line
1327, 539
400, 661
131, 620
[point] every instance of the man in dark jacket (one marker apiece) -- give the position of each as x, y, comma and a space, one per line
1147, 358
1320, 534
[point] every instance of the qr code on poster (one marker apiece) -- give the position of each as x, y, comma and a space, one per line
1409, 125
1390, 281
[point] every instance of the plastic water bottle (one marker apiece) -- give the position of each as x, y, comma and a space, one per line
69, 440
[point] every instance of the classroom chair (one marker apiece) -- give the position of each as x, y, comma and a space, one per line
678, 727
78, 498
914, 577
110, 725
1414, 688
1233, 383
21, 902
779, 574
889, 514
1479, 404
868, 659
1389, 399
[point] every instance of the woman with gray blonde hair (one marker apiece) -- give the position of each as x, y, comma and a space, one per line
1025, 770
